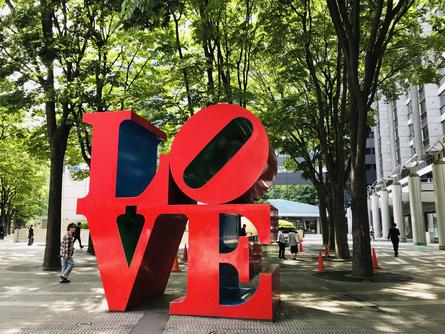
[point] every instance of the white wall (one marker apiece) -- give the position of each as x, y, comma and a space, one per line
71, 191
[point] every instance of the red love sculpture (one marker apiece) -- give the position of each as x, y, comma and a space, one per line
137, 211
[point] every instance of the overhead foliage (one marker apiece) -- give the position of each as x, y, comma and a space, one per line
23, 176
304, 193
286, 60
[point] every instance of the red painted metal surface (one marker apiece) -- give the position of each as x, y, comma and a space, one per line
246, 176
147, 275
203, 295
136, 268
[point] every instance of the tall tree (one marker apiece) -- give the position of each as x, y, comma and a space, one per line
366, 31
22, 175
215, 44
44, 44
310, 82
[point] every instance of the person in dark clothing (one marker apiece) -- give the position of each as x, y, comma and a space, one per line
394, 236
77, 234
242, 231
30, 236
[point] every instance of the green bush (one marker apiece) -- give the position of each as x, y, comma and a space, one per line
285, 225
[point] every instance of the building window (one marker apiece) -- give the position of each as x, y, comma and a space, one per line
442, 102
378, 144
422, 109
442, 79
443, 127
421, 92
410, 110
411, 131
425, 136
424, 123
396, 133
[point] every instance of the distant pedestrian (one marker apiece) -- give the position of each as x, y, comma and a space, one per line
2, 232
281, 244
293, 243
66, 253
394, 236
242, 231
77, 235
30, 236
372, 235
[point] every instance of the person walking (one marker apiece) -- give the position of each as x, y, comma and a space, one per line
242, 231
394, 236
77, 234
371, 233
66, 253
293, 243
30, 236
281, 244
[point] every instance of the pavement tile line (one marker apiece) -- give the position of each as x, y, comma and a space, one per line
103, 322
293, 320
32, 300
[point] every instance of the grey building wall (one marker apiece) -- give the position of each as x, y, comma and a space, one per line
286, 177
386, 155
432, 103
407, 127
403, 150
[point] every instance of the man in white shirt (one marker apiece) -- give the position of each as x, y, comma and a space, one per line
281, 244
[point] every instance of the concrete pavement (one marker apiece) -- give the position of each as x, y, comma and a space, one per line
407, 296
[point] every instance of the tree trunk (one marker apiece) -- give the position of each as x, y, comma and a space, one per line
341, 227
208, 49
362, 263
331, 225
184, 70
90, 249
51, 260
323, 219
3, 216
8, 227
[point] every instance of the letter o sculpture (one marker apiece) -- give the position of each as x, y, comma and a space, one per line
220, 154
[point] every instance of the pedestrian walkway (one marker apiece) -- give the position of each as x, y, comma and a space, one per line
406, 296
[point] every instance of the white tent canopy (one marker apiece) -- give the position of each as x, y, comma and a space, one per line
295, 209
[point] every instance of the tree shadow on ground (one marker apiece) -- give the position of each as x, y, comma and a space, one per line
379, 277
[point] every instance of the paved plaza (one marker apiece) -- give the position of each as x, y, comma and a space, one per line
406, 296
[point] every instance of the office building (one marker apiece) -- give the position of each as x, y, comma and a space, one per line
410, 165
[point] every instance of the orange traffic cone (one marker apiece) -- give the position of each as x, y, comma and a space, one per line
300, 248
375, 265
185, 254
175, 268
320, 263
326, 250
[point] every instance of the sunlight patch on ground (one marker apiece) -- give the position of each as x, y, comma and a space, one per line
43, 273
389, 310
412, 290
17, 288
440, 280
62, 306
